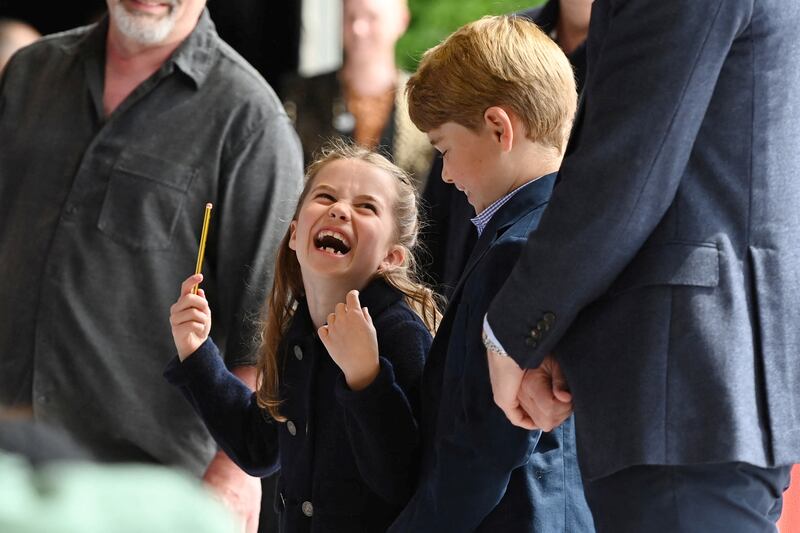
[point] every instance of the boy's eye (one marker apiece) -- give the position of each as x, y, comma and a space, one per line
325, 196
369, 206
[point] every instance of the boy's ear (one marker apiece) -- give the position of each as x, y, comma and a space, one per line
498, 122
395, 258
293, 235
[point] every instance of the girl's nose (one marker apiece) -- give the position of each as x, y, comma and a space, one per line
338, 211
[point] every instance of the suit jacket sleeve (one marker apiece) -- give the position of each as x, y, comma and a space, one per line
381, 420
229, 410
474, 461
646, 94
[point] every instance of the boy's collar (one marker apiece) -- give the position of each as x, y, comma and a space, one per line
482, 219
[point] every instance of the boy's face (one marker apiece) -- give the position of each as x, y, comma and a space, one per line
471, 162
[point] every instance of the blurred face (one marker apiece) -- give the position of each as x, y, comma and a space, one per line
345, 226
470, 163
373, 26
152, 22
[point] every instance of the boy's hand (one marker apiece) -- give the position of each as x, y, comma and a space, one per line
352, 343
190, 317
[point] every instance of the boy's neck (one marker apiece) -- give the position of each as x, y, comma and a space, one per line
530, 161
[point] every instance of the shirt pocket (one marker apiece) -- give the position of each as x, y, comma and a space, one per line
144, 198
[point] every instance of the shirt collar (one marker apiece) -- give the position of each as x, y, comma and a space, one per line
482, 219
195, 55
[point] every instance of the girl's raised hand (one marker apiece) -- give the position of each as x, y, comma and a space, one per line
190, 318
352, 343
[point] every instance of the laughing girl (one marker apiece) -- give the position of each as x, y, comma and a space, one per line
340, 424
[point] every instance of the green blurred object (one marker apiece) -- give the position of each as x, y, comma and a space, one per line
433, 20
89, 498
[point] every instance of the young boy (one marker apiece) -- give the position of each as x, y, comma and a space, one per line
497, 99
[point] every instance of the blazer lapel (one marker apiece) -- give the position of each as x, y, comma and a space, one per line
533, 195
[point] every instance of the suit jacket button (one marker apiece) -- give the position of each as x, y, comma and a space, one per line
535, 334
291, 428
531, 342
549, 318
307, 508
298, 352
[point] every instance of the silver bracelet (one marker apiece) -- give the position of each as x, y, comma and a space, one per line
491, 345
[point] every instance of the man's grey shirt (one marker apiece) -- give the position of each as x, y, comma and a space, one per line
100, 222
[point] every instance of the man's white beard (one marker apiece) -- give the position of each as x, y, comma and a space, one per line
143, 29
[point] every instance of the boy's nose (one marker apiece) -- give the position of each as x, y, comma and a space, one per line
446, 175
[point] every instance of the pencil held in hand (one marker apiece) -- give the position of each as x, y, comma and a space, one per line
203, 235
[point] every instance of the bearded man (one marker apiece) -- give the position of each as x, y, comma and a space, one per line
112, 139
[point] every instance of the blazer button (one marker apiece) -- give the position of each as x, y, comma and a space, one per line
549, 318
531, 342
298, 352
535, 334
307, 508
291, 428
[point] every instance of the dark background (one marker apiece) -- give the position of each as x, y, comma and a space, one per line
266, 33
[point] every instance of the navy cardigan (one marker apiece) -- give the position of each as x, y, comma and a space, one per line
348, 460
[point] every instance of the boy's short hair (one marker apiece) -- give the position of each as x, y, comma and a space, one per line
496, 61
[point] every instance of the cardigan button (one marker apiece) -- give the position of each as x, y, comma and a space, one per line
307, 508
291, 428
298, 353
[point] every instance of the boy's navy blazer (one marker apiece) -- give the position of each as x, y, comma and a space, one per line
670, 254
348, 459
479, 472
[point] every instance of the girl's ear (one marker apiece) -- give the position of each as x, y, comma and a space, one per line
499, 123
293, 235
395, 258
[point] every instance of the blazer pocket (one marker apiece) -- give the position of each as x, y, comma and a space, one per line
144, 197
693, 264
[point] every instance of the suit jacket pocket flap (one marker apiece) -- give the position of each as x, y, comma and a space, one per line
694, 264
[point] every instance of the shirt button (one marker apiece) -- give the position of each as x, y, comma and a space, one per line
291, 428
298, 352
307, 508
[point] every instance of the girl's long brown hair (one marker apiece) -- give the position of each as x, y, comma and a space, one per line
287, 287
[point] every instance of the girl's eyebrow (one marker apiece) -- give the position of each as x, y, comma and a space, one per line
324, 186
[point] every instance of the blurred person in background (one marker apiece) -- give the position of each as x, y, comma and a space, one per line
364, 100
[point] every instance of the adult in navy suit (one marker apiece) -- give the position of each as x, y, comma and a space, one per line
664, 276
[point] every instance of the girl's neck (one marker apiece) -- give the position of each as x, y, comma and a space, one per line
322, 295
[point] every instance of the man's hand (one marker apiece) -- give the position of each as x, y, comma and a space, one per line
545, 396
239, 492
506, 377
